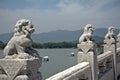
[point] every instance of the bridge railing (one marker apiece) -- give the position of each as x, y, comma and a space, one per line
118, 62
92, 66
80, 70
105, 64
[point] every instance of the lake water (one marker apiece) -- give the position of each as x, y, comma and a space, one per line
59, 60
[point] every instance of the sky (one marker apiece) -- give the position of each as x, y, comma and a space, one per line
50, 15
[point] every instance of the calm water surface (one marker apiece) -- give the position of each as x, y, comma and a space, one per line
59, 60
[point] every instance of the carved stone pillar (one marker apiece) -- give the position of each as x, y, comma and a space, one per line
87, 53
21, 61
87, 50
110, 45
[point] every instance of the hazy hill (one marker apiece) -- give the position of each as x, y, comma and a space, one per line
57, 36
1, 42
60, 35
5, 37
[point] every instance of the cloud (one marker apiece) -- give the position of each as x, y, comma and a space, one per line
66, 14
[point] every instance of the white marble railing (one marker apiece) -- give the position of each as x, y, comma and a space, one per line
104, 63
82, 70
95, 67
118, 62
102, 57
73, 72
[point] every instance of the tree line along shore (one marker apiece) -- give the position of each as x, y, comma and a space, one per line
48, 45
53, 45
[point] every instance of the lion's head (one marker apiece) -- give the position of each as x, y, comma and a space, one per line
23, 26
111, 29
89, 28
109, 37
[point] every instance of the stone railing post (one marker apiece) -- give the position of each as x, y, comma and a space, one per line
110, 45
87, 50
21, 61
118, 40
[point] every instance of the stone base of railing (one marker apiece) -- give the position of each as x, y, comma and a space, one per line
20, 69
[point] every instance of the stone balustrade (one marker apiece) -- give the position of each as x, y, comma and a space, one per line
105, 66
104, 63
74, 72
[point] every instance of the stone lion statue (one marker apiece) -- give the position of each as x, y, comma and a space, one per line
110, 34
87, 34
20, 44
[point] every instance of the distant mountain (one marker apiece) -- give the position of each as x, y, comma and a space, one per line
1, 42
61, 35
57, 36
101, 32
98, 39
5, 37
